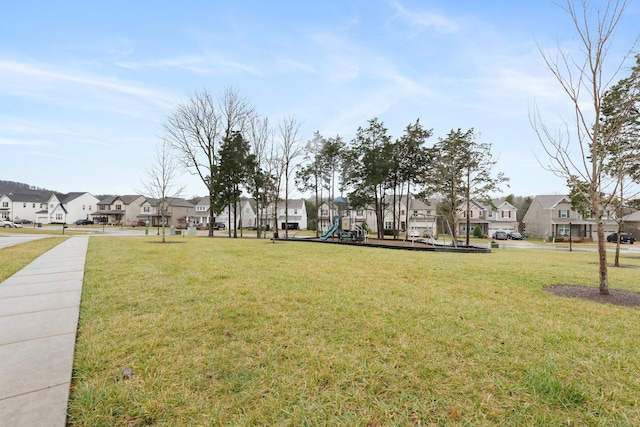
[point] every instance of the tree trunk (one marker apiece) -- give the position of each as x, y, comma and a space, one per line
602, 251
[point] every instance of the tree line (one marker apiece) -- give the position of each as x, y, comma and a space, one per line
234, 150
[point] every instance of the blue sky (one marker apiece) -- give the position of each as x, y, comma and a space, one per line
85, 86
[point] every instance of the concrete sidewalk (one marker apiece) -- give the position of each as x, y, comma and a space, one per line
39, 307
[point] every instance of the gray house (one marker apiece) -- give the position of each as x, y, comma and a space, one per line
551, 217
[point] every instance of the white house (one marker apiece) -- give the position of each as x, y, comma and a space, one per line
296, 215
199, 215
70, 207
23, 206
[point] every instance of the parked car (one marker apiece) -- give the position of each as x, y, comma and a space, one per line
83, 222
427, 235
219, 226
500, 235
624, 238
514, 235
24, 221
138, 223
9, 224
414, 233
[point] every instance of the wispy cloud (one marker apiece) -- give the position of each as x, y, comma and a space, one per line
41, 76
26, 142
425, 20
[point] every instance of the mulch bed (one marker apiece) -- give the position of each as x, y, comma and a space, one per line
615, 297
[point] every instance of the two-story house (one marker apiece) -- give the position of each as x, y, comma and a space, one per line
23, 206
551, 216
199, 215
118, 210
70, 207
498, 215
412, 215
296, 215
174, 210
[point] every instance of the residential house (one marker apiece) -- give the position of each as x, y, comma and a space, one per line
497, 215
174, 210
412, 215
296, 215
70, 207
631, 223
328, 211
552, 217
199, 214
23, 206
417, 216
118, 210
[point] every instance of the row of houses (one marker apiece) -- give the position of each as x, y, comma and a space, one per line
415, 215
548, 217
134, 210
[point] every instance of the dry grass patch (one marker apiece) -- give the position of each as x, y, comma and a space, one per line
247, 332
14, 258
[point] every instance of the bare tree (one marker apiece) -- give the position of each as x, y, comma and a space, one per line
197, 128
260, 136
160, 181
584, 78
291, 148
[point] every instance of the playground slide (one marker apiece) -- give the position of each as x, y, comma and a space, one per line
332, 230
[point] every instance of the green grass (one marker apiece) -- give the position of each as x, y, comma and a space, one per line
225, 332
14, 258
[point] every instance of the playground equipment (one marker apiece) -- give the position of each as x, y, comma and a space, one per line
346, 230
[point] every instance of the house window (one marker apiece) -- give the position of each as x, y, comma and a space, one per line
324, 212
34, 206
24, 205
490, 214
89, 207
145, 209
83, 207
564, 213
505, 214
402, 212
360, 212
563, 229
58, 217
295, 211
388, 225
587, 215
118, 207
470, 214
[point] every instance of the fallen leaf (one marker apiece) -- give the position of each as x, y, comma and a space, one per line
453, 414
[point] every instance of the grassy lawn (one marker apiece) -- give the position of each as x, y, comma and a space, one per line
14, 258
224, 332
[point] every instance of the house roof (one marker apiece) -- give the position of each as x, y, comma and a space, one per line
633, 217
295, 203
126, 199
66, 198
173, 201
26, 197
551, 201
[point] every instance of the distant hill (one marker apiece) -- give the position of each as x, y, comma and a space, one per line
19, 187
